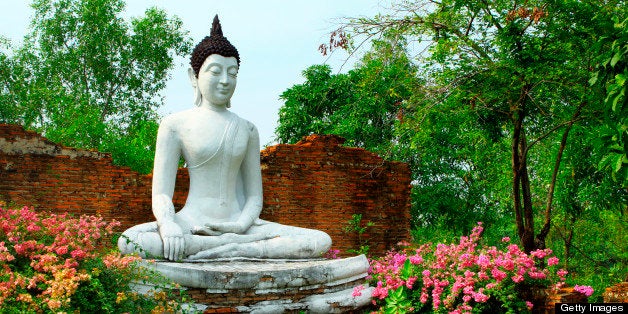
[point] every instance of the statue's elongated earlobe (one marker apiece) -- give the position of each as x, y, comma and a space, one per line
198, 97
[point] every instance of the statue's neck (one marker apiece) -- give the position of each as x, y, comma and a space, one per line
213, 107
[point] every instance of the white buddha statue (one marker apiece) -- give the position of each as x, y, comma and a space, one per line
221, 214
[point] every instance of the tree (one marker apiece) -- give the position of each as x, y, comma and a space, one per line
501, 121
363, 105
369, 106
504, 86
86, 78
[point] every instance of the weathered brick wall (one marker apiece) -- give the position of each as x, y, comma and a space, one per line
319, 184
314, 184
39, 173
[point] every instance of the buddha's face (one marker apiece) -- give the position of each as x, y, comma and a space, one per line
217, 79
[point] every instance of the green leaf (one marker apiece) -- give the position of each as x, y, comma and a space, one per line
406, 271
616, 57
620, 79
605, 161
619, 160
616, 99
594, 78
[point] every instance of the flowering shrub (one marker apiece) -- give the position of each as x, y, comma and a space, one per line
332, 254
586, 290
461, 278
56, 263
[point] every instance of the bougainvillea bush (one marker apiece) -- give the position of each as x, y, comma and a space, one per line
463, 278
57, 263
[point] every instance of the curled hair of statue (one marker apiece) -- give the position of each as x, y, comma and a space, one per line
215, 43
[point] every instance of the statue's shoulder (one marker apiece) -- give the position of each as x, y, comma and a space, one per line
174, 120
247, 124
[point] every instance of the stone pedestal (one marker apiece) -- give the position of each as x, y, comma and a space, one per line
617, 293
271, 286
545, 299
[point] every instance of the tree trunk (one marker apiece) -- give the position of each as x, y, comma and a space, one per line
522, 197
568, 243
528, 210
516, 179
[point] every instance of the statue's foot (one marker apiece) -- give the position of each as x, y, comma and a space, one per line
230, 250
245, 238
230, 245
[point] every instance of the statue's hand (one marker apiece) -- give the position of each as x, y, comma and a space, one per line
172, 237
226, 227
205, 231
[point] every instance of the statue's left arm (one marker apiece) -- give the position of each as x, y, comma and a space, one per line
252, 183
252, 180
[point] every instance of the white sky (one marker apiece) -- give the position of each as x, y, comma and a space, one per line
276, 39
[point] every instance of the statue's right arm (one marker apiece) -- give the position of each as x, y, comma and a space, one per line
167, 154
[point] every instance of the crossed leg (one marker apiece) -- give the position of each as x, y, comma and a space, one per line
145, 240
289, 242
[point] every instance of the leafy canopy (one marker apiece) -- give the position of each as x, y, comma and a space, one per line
87, 78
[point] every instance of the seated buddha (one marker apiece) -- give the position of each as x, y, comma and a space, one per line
220, 218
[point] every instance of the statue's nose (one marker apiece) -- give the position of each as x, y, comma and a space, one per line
224, 79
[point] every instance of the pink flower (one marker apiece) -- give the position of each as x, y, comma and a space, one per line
357, 291
380, 291
552, 261
483, 261
482, 276
78, 254
467, 260
562, 273
537, 275
498, 274
399, 259
424, 296
586, 290
513, 249
19, 249
517, 278
4, 253
332, 254
62, 250
540, 254
416, 260
480, 297
410, 282
33, 228
529, 305
460, 272
435, 299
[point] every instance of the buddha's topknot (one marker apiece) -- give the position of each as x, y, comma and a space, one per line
215, 43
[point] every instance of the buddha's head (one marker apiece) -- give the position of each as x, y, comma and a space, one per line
214, 68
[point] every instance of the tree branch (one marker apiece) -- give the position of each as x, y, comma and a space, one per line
466, 32
487, 10
548, 133
540, 238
